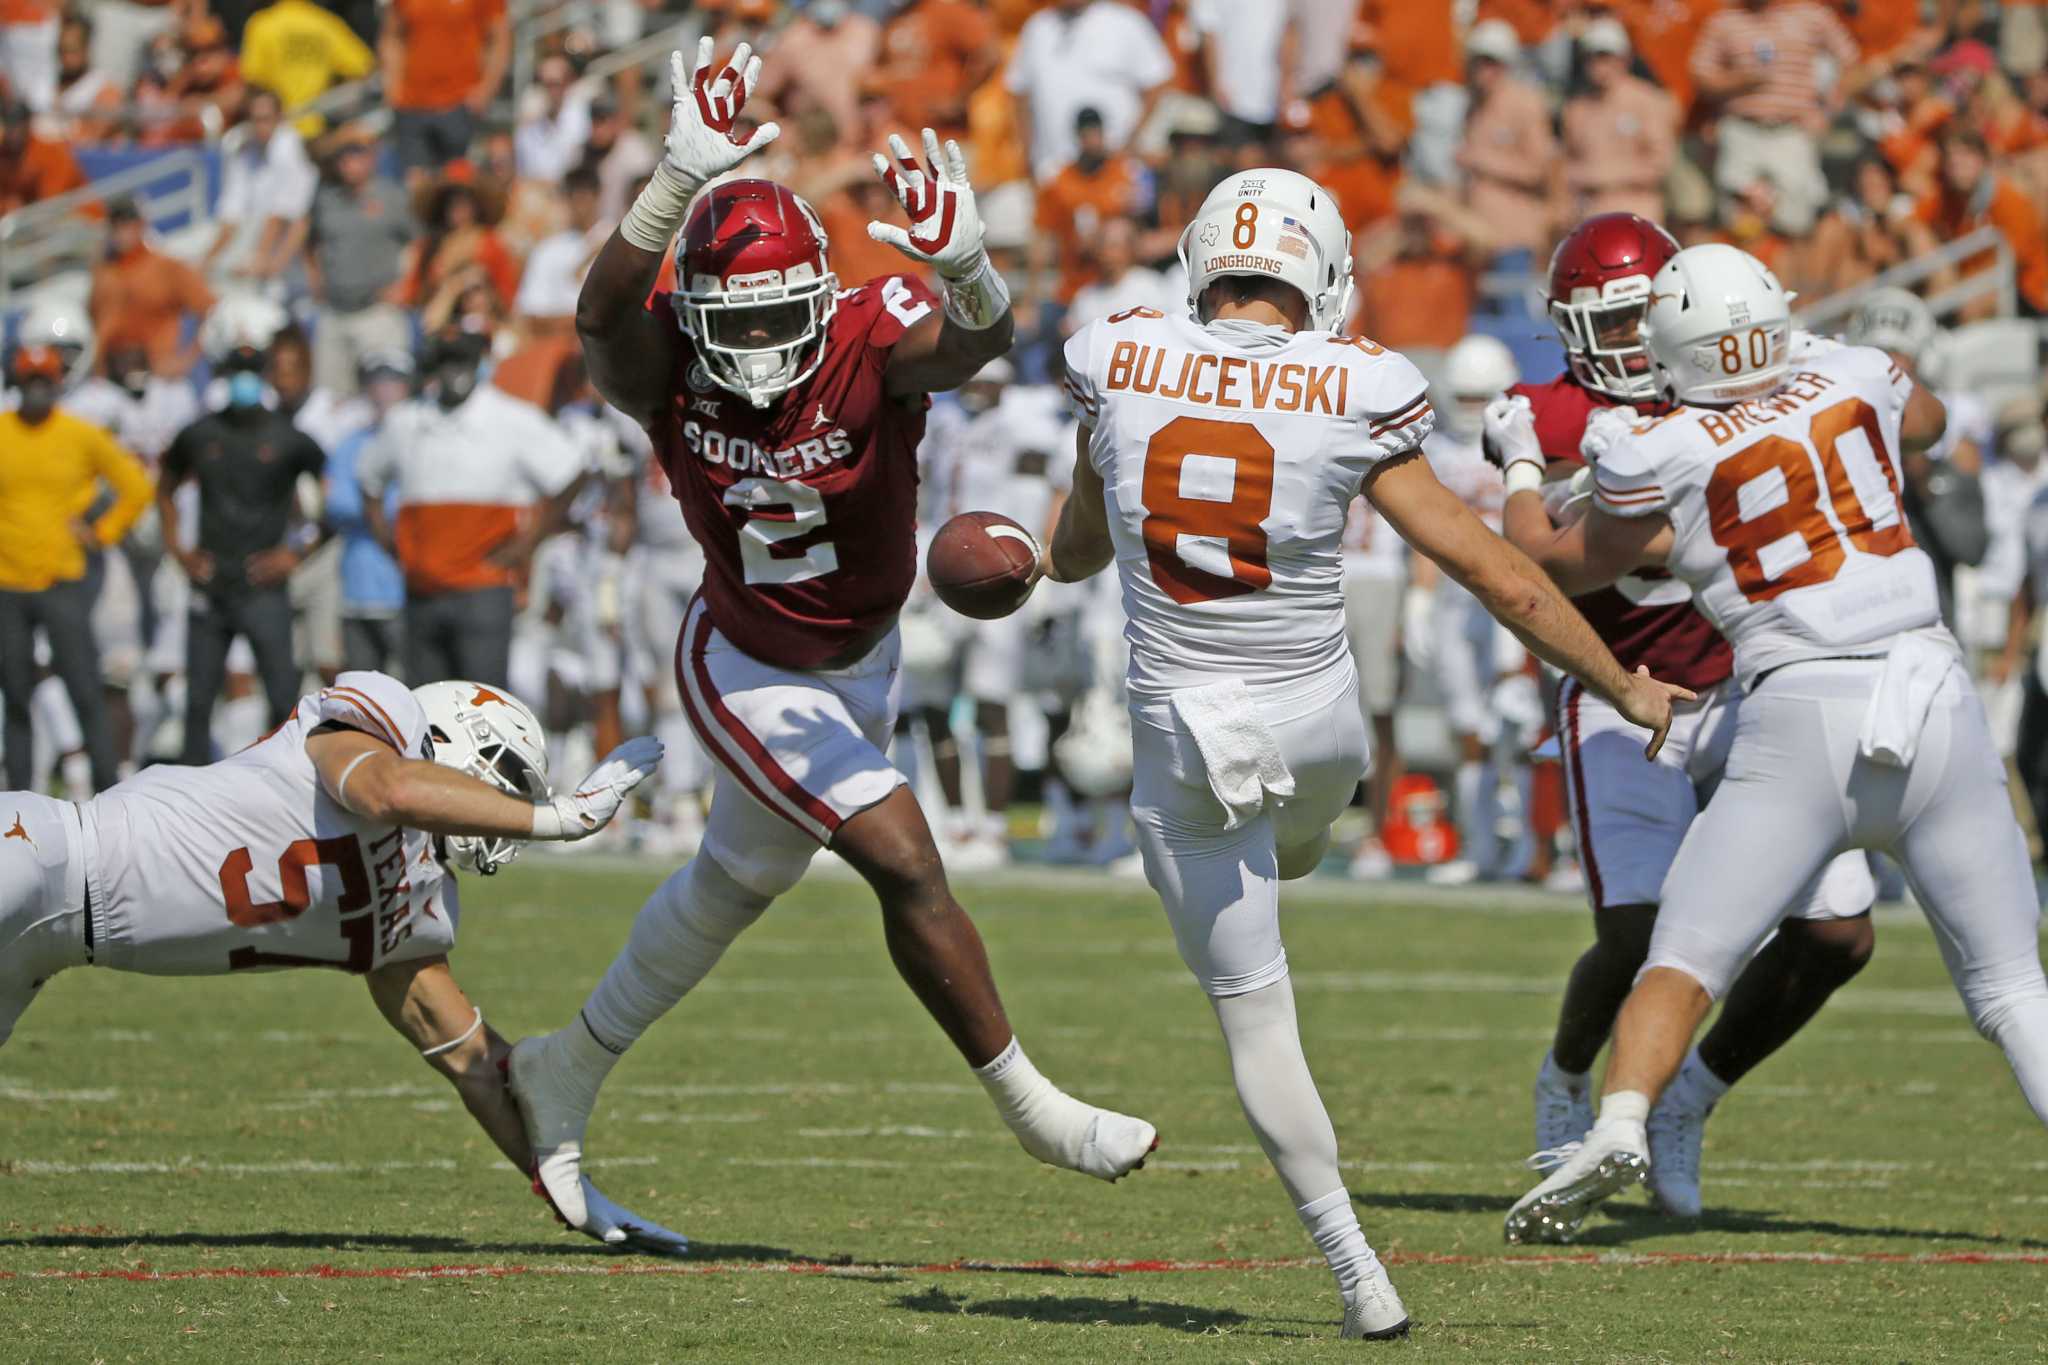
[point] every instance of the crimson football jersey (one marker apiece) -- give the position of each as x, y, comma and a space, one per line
806, 509
1647, 619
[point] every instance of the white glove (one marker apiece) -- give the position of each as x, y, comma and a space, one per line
945, 226
1418, 626
699, 145
1508, 433
1606, 428
597, 798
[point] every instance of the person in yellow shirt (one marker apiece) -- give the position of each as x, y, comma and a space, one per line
52, 468
298, 50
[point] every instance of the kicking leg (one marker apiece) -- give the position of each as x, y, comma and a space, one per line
939, 954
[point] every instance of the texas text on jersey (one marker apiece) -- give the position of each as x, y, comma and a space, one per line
1647, 619
806, 508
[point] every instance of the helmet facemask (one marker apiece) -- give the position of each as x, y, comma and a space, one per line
488, 759
759, 340
1603, 340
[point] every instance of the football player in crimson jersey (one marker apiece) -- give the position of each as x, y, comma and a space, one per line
786, 413
328, 843
1630, 817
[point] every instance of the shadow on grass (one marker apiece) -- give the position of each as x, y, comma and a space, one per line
1632, 1222
416, 1244
1077, 1310
1428, 1201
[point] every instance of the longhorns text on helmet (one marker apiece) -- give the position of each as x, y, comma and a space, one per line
1278, 224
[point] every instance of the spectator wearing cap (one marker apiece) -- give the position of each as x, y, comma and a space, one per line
1095, 186
361, 226
267, 184
935, 55
481, 479
1248, 55
443, 61
819, 60
1078, 54
32, 167
54, 467
1759, 66
1970, 195
246, 460
88, 106
372, 585
1508, 156
458, 248
299, 50
1620, 133
143, 296
546, 302
555, 128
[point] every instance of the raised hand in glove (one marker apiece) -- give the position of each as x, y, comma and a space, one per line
597, 798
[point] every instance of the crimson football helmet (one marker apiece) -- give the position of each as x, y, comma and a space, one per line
753, 290
1599, 290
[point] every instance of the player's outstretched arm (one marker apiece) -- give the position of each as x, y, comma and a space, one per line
630, 350
945, 235
1079, 546
370, 778
1519, 594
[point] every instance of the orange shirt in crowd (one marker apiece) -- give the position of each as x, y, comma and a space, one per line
1662, 34
142, 299
1417, 301
1415, 39
1074, 203
854, 256
2008, 209
1910, 148
44, 170
444, 43
1879, 25
1363, 183
932, 53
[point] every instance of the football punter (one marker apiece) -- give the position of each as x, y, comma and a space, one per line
786, 413
1629, 816
327, 844
1219, 452
1773, 493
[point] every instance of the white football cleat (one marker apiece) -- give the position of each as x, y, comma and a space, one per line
1097, 1142
1607, 1162
1372, 1310
554, 1107
1675, 1134
1563, 1116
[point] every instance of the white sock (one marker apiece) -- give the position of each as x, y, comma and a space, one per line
2022, 1034
1696, 1087
1332, 1225
1622, 1107
678, 936
1051, 1124
1577, 1082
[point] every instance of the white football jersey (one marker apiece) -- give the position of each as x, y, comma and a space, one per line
1462, 467
1229, 457
1786, 511
248, 863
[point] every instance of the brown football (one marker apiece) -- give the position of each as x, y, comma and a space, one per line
982, 564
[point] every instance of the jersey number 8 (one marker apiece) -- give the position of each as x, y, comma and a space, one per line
1210, 482
1800, 517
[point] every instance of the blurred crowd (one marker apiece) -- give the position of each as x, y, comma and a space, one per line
350, 426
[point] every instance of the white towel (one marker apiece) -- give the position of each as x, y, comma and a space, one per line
1240, 753
1915, 667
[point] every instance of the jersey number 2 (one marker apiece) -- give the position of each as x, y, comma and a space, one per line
1796, 519
342, 853
1210, 482
779, 510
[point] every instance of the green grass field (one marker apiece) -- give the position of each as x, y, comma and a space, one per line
1878, 1192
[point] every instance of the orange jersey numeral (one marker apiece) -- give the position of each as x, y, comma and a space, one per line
1170, 515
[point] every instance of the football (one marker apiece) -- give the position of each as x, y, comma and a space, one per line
982, 564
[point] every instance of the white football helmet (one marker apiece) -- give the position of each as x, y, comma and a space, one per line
66, 327
1719, 326
1476, 371
493, 736
1894, 320
1278, 224
240, 322
1095, 752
